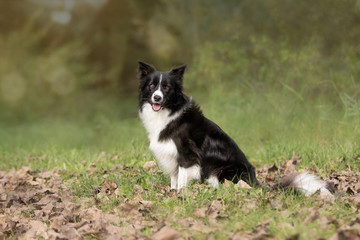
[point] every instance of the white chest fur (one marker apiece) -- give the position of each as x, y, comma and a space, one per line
165, 151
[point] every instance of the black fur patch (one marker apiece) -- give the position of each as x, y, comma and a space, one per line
200, 141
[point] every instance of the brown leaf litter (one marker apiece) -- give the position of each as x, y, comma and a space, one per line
37, 204
40, 205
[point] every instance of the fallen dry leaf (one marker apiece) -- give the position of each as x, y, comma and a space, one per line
296, 236
128, 209
200, 212
213, 211
226, 183
149, 165
349, 234
147, 204
166, 233
117, 167
276, 203
242, 184
261, 231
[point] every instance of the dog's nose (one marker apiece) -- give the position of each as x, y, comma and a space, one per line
157, 98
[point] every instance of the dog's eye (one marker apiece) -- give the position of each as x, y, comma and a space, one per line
152, 86
167, 88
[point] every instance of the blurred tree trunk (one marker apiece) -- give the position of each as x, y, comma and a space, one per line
108, 37
13, 14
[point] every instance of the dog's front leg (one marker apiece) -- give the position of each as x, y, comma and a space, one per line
174, 181
182, 178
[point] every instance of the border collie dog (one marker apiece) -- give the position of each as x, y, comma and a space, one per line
187, 145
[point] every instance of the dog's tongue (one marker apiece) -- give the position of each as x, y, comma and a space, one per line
156, 107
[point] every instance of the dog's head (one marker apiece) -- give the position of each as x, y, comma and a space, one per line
163, 90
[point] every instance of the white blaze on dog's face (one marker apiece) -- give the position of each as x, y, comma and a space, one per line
157, 97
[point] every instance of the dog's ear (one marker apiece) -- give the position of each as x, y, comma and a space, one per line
145, 69
178, 71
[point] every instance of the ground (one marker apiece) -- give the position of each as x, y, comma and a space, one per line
37, 204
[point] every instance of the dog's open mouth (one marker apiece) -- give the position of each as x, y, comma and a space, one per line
156, 107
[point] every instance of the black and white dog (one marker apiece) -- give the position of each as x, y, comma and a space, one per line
187, 145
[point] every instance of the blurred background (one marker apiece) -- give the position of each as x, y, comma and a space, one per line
264, 70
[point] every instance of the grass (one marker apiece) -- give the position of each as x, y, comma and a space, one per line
268, 128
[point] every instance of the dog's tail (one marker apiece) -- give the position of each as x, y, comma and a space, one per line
306, 183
